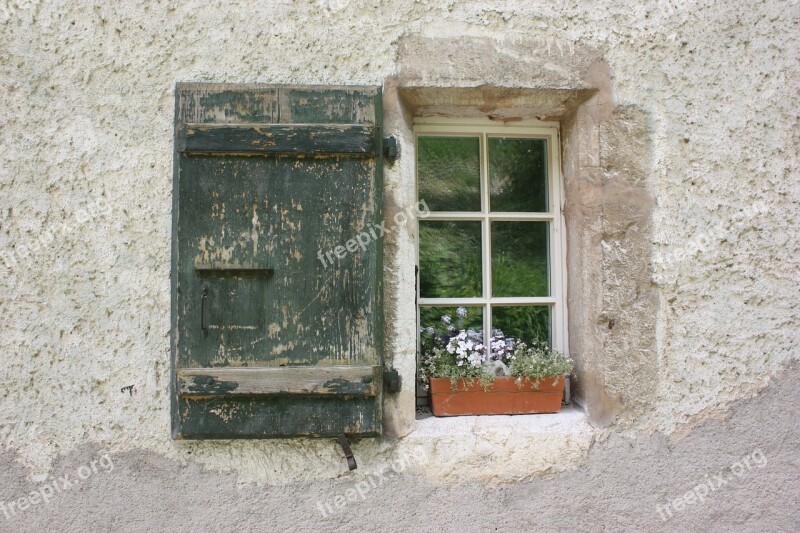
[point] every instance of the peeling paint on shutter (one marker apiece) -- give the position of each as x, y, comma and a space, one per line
269, 340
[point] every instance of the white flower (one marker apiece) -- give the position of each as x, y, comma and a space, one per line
475, 359
461, 311
446, 319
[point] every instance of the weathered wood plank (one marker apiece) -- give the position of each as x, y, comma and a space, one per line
226, 104
240, 103
306, 139
341, 105
316, 380
262, 417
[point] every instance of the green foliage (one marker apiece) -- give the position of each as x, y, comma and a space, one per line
438, 331
538, 360
441, 364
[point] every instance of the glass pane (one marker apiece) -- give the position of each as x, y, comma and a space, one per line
449, 173
523, 323
449, 259
438, 324
519, 259
518, 174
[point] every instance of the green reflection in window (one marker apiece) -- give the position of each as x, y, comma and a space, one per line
449, 259
448, 170
526, 323
517, 174
519, 259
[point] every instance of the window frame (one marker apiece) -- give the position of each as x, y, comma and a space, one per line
557, 264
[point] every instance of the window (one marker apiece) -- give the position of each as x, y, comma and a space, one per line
490, 253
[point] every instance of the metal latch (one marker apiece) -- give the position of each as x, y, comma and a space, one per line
348, 453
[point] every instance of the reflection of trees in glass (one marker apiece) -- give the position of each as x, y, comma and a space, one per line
519, 259
449, 259
528, 324
449, 173
517, 174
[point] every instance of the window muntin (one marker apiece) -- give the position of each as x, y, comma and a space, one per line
518, 256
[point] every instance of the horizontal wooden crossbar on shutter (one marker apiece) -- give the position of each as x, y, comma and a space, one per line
232, 271
312, 380
297, 139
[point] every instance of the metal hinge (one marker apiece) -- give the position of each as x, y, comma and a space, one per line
391, 150
391, 380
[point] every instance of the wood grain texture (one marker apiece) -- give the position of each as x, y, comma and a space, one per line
260, 417
223, 103
314, 380
300, 139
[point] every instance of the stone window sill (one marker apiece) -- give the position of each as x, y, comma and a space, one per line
502, 448
569, 419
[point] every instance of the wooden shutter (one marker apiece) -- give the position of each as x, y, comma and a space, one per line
268, 340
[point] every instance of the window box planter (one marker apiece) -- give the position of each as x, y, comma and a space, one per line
505, 395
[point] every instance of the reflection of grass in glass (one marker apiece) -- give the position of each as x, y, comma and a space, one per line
449, 259
519, 259
528, 324
514, 277
449, 173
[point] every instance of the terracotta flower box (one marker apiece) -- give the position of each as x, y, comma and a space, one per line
504, 396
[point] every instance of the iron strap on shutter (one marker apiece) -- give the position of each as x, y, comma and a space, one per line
272, 334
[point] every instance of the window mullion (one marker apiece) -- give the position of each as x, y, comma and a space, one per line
486, 251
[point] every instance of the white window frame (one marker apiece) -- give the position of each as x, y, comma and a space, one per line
483, 129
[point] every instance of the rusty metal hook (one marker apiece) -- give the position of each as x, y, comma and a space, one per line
348, 453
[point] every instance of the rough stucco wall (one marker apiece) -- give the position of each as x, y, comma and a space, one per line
619, 488
86, 116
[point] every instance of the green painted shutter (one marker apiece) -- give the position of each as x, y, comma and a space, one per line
268, 340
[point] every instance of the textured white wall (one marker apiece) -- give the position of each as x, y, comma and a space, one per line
86, 110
